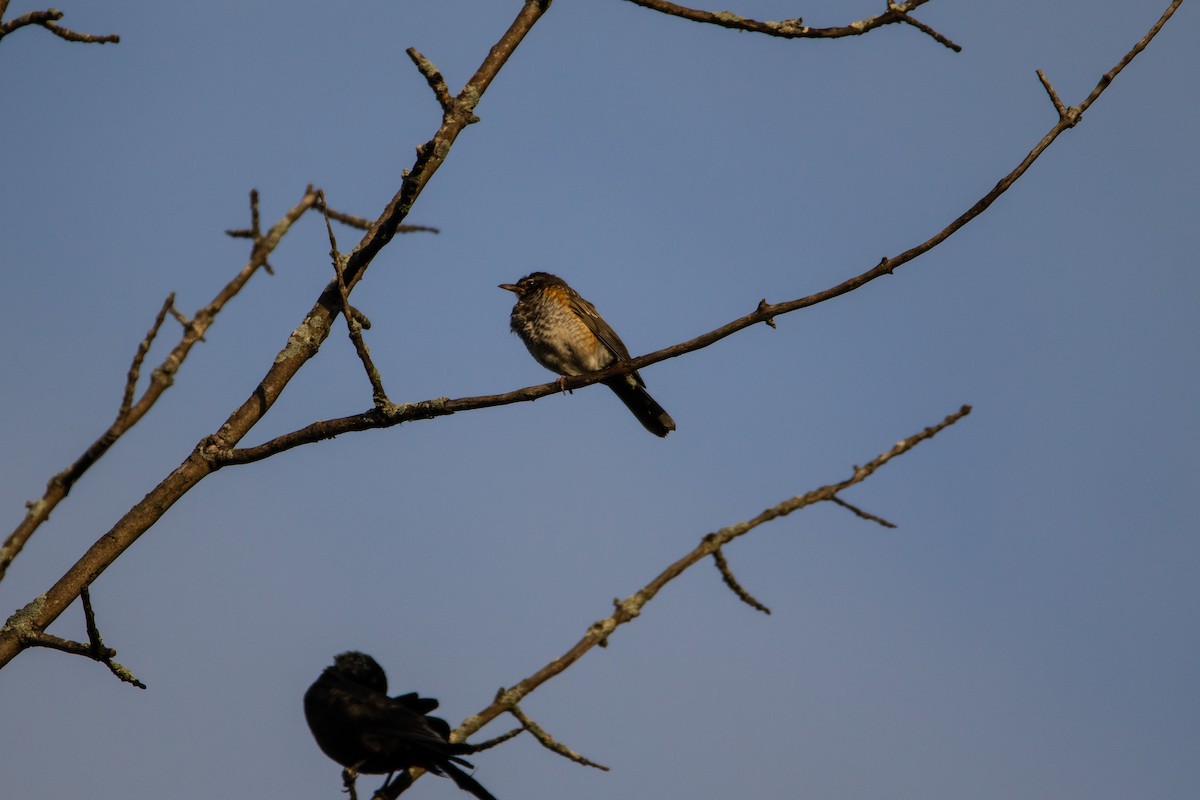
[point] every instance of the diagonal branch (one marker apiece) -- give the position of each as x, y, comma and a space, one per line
434, 78
135, 368
858, 512
733, 584
95, 649
549, 742
354, 319
630, 608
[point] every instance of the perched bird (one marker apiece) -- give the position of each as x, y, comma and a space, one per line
565, 334
357, 725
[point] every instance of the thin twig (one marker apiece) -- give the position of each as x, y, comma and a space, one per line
362, 223
95, 648
863, 514
353, 324
1058, 104
256, 231
547, 741
495, 741
928, 31
135, 368
434, 78
732, 582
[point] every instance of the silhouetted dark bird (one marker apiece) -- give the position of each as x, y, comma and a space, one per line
565, 334
357, 725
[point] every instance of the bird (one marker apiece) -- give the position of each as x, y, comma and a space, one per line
357, 725
565, 334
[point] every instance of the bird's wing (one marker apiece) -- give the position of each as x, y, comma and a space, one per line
596, 324
382, 722
414, 702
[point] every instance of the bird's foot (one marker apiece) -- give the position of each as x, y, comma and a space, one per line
349, 777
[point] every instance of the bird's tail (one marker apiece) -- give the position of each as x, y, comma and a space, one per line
638, 400
465, 781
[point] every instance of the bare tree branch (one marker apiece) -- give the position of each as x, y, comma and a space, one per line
858, 512
732, 582
436, 82
547, 741
46, 19
795, 28
135, 368
254, 232
95, 649
495, 741
364, 224
353, 318
631, 607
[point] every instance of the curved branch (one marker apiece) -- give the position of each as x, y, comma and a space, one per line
95, 649
46, 19
795, 28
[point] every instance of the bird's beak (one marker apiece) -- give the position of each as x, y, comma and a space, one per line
510, 287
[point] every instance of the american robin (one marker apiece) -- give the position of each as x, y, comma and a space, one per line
565, 334
357, 725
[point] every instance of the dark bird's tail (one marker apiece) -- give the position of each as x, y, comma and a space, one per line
465, 781
638, 400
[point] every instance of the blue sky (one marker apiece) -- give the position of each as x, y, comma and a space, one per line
1028, 631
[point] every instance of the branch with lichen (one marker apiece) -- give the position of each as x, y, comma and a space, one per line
48, 19
95, 649
795, 28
